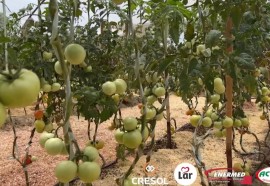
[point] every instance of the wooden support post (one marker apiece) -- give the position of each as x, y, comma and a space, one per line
229, 99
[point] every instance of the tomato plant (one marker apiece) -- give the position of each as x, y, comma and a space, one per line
214, 49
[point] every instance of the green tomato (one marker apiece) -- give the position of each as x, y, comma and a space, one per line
159, 117
159, 91
155, 77
39, 125
118, 135
116, 98
209, 112
214, 99
20, 91
88, 69
207, 122
151, 100
89, 171
132, 139
109, 88
200, 48
227, 122
265, 91
3, 115
47, 55
130, 123
55, 87
218, 125
44, 137
54, 146
218, 82
48, 127
121, 86
91, 153
147, 91
237, 123
65, 171
245, 122
47, 88
75, 54
57, 68
219, 89
150, 113
99, 144
214, 116
151, 77
194, 120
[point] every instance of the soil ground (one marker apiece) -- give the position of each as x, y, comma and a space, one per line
165, 160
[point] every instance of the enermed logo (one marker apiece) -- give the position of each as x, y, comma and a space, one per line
150, 170
263, 175
224, 175
185, 174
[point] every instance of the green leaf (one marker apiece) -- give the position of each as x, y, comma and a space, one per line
189, 34
78, 13
4, 39
236, 15
165, 63
174, 28
250, 83
245, 61
212, 38
120, 152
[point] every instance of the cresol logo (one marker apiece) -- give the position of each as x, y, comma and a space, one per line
263, 175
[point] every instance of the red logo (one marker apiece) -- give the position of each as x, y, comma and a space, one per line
185, 169
224, 175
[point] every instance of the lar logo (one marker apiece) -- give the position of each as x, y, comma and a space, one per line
149, 169
263, 175
185, 174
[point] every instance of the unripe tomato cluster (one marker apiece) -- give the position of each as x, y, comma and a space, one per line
264, 93
46, 87
219, 89
40, 124
152, 92
87, 171
116, 89
85, 168
213, 119
51, 144
131, 135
